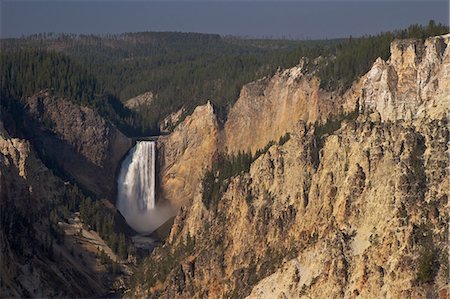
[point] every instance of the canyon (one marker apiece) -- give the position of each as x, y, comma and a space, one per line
345, 195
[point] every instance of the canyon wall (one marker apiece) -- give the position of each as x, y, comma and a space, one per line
268, 108
186, 154
413, 83
77, 140
353, 211
34, 263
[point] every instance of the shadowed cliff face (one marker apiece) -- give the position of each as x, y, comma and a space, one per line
83, 144
33, 263
357, 211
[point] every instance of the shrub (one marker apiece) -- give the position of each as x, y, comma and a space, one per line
427, 265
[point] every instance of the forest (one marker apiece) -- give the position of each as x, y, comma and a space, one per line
181, 69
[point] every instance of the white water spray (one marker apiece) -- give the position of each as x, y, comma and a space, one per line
136, 189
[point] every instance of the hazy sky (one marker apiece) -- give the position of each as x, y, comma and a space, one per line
290, 19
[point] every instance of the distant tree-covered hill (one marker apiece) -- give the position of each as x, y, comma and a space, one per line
24, 72
181, 69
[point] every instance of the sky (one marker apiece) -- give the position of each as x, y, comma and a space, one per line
295, 19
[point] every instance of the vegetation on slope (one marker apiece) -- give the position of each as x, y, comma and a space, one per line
355, 56
34, 242
95, 215
224, 167
25, 72
181, 69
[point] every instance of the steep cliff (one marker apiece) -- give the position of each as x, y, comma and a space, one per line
186, 153
268, 108
344, 229
265, 111
34, 262
77, 140
413, 83
373, 234
357, 209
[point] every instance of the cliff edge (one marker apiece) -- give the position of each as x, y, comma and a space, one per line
76, 140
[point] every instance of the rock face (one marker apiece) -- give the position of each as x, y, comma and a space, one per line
266, 110
77, 139
355, 212
171, 121
33, 265
144, 99
269, 108
372, 232
186, 154
413, 83
343, 229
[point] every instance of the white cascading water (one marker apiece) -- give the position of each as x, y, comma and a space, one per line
136, 185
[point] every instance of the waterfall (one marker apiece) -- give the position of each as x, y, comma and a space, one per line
136, 185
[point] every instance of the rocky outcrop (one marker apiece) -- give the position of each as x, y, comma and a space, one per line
145, 99
265, 111
34, 263
413, 83
171, 121
77, 140
186, 154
